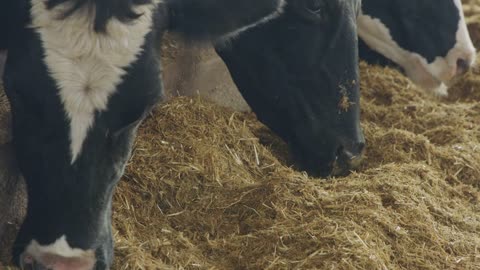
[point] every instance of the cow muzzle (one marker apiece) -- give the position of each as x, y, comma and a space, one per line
438, 75
349, 157
49, 261
56, 256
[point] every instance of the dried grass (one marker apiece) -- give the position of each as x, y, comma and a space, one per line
202, 192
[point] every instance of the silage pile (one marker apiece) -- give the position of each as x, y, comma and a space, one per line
202, 190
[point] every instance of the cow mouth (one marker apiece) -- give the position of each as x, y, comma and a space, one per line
441, 87
51, 261
345, 162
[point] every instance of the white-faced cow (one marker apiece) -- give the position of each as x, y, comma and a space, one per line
299, 74
81, 75
427, 39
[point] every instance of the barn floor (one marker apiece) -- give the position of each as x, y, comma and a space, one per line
209, 188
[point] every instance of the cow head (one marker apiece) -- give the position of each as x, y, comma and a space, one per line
80, 77
299, 74
428, 39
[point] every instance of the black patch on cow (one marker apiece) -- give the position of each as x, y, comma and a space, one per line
425, 27
13, 13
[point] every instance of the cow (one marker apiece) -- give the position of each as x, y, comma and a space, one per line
299, 74
427, 39
82, 74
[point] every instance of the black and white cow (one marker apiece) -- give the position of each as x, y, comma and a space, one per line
81, 75
299, 74
427, 39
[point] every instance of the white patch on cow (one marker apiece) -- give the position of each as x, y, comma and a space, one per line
60, 248
270, 17
377, 36
431, 76
87, 66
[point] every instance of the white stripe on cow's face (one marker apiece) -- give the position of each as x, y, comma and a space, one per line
272, 16
432, 76
87, 66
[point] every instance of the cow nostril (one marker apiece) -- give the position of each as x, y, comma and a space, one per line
463, 66
350, 157
30, 264
26, 262
28, 259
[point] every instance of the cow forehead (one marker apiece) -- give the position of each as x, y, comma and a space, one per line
87, 66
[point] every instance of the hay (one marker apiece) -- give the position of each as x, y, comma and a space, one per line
202, 192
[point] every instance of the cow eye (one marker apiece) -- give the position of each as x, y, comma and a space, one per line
314, 6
